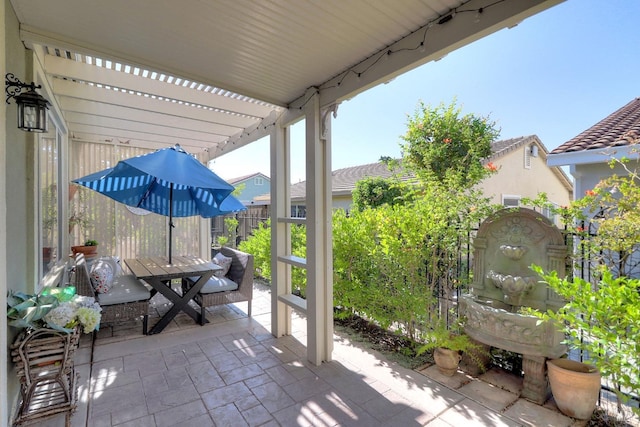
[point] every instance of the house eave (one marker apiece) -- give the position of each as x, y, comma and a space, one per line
601, 155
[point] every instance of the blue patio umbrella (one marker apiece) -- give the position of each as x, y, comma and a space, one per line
168, 182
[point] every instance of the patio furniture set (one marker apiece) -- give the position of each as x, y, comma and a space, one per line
128, 295
44, 357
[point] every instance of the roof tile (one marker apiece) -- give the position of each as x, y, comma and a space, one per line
620, 128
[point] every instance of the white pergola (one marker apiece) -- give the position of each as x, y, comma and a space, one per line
220, 74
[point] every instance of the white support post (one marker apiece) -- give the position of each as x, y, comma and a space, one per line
280, 232
319, 242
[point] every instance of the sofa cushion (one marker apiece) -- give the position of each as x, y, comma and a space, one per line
224, 262
218, 284
125, 288
101, 276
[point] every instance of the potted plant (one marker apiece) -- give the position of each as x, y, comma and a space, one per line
448, 345
89, 249
602, 321
59, 309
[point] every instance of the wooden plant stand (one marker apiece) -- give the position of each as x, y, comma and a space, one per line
48, 382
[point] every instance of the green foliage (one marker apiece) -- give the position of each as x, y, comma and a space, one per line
453, 338
612, 208
28, 311
442, 144
372, 192
259, 244
602, 320
231, 224
222, 240
614, 205
91, 242
389, 261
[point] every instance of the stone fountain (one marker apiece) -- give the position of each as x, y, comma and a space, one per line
505, 246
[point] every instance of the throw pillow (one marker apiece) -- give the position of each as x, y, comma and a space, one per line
101, 277
224, 262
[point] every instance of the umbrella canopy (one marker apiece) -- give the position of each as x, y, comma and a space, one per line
168, 182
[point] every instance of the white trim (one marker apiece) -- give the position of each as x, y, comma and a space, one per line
601, 155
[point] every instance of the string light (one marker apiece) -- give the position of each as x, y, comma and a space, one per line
421, 46
382, 55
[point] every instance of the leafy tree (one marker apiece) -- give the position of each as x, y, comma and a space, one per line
372, 192
442, 144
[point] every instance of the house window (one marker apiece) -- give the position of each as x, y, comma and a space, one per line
48, 180
258, 180
510, 201
548, 212
298, 211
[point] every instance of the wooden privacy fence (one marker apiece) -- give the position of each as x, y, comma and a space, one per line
247, 222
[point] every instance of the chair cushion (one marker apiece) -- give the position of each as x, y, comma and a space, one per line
224, 262
101, 276
218, 284
125, 288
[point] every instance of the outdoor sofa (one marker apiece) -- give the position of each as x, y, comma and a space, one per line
126, 299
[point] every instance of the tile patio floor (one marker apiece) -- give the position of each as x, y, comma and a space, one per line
233, 372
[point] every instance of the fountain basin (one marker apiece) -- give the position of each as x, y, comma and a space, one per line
515, 287
493, 323
513, 252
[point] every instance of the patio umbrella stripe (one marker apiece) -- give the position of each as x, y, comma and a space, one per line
168, 182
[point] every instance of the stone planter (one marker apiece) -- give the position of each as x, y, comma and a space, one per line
575, 387
447, 360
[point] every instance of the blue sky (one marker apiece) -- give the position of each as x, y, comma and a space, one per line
554, 75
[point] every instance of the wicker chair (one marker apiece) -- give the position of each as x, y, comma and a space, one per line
127, 308
241, 272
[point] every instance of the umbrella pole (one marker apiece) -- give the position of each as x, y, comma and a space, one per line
170, 218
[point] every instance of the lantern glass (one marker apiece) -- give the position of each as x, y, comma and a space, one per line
32, 112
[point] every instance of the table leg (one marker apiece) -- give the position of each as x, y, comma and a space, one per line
180, 303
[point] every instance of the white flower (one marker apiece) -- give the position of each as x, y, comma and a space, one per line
80, 310
61, 315
89, 318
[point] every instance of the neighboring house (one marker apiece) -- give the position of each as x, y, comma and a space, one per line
254, 185
588, 154
343, 182
523, 172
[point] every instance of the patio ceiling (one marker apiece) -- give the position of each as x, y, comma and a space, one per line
215, 75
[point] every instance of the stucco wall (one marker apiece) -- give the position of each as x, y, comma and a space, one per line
17, 199
588, 176
515, 180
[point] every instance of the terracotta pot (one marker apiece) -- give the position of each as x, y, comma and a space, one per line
86, 250
447, 361
575, 387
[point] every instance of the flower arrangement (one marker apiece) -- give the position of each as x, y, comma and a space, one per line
56, 308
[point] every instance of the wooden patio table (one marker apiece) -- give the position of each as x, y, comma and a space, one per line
159, 273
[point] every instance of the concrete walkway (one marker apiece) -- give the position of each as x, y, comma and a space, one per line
233, 372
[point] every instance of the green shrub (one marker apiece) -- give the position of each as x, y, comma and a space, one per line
259, 245
602, 320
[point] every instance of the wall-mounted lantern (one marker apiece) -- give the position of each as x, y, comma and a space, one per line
32, 107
